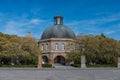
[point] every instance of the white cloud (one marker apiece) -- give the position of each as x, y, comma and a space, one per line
36, 21
109, 32
13, 27
97, 25
97, 21
21, 25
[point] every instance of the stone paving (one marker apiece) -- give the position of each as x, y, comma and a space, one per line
59, 74
59, 66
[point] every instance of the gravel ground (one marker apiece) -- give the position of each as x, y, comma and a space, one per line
59, 74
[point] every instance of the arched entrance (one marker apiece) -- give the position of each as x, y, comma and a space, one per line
45, 59
60, 60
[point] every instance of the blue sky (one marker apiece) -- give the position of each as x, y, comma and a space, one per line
17, 17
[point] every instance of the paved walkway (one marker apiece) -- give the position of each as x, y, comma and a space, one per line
59, 66
59, 74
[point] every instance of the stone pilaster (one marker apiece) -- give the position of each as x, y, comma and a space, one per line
40, 61
51, 61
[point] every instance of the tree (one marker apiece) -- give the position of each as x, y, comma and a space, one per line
103, 35
17, 50
98, 49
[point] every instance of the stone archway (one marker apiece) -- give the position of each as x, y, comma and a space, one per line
60, 60
45, 59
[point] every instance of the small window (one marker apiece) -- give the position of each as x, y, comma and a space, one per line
46, 46
63, 46
56, 46
42, 47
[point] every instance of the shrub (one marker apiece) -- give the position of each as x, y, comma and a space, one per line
75, 65
47, 65
102, 65
19, 66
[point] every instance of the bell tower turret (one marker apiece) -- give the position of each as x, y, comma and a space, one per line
58, 20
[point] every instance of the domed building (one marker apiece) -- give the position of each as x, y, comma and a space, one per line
54, 41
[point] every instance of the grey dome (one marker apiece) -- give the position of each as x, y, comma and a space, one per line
58, 31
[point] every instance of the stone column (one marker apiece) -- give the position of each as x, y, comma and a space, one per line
40, 61
83, 65
51, 61
118, 62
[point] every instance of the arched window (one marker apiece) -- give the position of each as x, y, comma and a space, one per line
45, 59
56, 46
63, 46
42, 47
46, 46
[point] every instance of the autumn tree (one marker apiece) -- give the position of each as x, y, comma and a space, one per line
98, 49
18, 50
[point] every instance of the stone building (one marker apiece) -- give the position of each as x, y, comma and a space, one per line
54, 41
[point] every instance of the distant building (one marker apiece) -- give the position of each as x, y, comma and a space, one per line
54, 41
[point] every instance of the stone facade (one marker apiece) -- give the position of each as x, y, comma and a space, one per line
54, 42
48, 49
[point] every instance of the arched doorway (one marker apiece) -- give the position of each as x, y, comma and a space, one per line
60, 60
45, 59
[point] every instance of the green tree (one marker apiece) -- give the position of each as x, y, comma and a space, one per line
98, 49
18, 50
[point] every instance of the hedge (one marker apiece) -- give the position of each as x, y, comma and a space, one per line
47, 65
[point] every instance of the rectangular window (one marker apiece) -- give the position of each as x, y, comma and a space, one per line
63, 46
42, 47
56, 46
46, 46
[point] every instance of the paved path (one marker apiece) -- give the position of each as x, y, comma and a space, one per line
59, 66
59, 74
